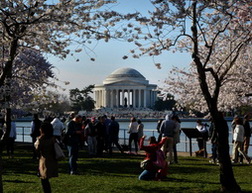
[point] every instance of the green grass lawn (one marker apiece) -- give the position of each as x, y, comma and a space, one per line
118, 173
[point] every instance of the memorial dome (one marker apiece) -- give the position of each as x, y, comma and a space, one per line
125, 74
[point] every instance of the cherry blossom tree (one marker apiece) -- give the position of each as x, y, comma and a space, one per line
218, 35
50, 27
31, 75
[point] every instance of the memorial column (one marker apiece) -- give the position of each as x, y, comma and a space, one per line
97, 98
101, 97
117, 97
112, 98
139, 98
134, 98
104, 98
144, 98
128, 98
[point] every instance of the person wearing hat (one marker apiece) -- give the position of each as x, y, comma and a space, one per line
73, 131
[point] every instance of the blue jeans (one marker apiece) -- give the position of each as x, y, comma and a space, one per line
73, 156
147, 175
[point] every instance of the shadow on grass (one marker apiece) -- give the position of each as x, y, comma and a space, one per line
180, 180
18, 181
142, 188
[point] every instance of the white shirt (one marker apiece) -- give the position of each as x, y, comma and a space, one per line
58, 126
238, 133
133, 127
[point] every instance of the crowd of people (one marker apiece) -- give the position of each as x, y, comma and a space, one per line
101, 134
241, 131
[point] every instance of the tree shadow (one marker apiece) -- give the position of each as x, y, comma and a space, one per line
19, 181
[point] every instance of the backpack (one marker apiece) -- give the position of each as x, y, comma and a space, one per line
160, 161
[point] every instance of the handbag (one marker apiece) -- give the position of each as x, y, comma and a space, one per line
145, 164
59, 154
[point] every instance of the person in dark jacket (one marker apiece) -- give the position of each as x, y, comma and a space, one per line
91, 133
101, 134
73, 131
113, 131
247, 133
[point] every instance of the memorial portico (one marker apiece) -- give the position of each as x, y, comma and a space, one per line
125, 87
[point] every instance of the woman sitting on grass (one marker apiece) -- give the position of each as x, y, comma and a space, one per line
152, 172
48, 165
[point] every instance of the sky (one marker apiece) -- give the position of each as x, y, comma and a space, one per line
108, 58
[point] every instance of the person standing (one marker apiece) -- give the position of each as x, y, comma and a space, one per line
133, 134
73, 131
201, 140
106, 137
11, 140
101, 134
176, 136
168, 128
35, 132
113, 129
247, 133
58, 128
140, 129
48, 165
91, 132
84, 137
238, 138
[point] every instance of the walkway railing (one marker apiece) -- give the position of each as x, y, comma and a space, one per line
23, 135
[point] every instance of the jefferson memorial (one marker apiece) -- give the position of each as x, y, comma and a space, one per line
125, 87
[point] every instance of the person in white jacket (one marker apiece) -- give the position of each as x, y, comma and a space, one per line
238, 138
58, 127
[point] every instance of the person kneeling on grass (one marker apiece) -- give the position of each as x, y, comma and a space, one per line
152, 171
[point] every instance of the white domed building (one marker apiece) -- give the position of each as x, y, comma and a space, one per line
125, 87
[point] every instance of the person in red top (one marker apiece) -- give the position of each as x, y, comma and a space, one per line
152, 172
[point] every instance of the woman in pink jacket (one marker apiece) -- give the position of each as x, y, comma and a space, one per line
152, 172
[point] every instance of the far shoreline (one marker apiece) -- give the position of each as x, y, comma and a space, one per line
190, 119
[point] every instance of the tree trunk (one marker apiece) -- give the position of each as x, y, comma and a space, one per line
1, 167
7, 74
227, 180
